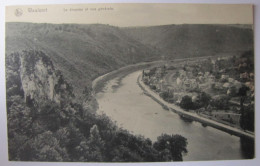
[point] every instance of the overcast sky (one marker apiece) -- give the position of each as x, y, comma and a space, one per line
134, 14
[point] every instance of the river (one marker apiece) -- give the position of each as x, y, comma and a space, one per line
124, 102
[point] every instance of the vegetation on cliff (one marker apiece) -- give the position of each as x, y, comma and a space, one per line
46, 122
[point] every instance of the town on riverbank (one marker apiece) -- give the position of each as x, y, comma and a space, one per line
216, 88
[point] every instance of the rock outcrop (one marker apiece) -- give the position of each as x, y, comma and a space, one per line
36, 75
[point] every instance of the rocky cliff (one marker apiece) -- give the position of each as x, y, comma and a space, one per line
37, 77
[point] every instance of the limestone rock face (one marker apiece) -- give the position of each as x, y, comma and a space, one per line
38, 78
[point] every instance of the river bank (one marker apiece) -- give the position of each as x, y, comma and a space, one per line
120, 97
131, 109
99, 82
192, 116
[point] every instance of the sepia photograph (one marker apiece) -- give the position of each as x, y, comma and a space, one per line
132, 82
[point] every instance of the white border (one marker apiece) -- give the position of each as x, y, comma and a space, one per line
3, 122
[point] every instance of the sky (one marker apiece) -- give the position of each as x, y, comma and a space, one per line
125, 15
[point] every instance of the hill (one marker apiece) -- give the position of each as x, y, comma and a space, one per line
83, 52
80, 52
47, 123
189, 40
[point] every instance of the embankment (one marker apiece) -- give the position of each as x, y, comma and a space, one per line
193, 116
100, 81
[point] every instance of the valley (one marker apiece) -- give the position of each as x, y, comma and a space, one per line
75, 85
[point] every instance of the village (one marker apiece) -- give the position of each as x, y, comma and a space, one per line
219, 88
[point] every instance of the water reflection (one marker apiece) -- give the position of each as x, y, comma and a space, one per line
138, 113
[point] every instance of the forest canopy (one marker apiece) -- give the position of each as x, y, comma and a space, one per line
47, 123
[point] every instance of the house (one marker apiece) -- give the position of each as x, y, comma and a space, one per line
228, 117
251, 75
250, 85
231, 80
226, 85
206, 74
187, 84
244, 75
182, 73
201, 78
222, 71
211, 78
179, 81
237, 84
203, 86
194, 98
158, 72
223, 76
193, 83
200, 74
218, 86
232, 91
146, 72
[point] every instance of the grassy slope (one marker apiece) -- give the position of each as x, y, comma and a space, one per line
81, 52
188, 40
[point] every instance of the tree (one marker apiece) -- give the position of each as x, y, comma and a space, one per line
247, 119
82, 151
95, 144
167, 96
203, 100
220, 102
44, 147
153, 87
50, 115
171, 147
245, 116
186, 102
87, 93
62, 130
232, 91
248, 147
242, 93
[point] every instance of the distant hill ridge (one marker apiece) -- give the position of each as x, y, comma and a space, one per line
189, 40
83, 52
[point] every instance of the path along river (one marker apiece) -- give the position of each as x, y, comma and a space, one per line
124, 102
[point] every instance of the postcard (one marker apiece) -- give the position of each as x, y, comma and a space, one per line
134, 82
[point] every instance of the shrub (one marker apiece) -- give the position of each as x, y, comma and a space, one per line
186, 102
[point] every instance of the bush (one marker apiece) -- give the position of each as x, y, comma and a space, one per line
186, 102
153, 87
203, 100
247, 119
171, 147
167, 96
222, 102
